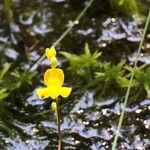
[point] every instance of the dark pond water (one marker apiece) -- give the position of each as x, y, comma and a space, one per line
88, 121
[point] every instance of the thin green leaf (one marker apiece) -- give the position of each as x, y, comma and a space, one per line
4, 70
3, 94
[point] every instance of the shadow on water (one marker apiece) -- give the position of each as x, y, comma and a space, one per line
87, 122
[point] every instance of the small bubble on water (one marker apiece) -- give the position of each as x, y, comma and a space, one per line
113, 19
104, 111
76, 22
145, 121
103, 45
138, 138
138, 111
108, 129
35, 130
147, 126
107, 146
80, 111
6, 141
96, 124
122, 146
104, 143
77, 142
85, 122
141, 54
27, 141
26, 104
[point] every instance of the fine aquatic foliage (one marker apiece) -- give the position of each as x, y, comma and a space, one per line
141, 79
4, 70
127, 6
84, 64
111, 74
3, 91
107, 76
13, 79
110, 78
21, 77
54, 80
117, 75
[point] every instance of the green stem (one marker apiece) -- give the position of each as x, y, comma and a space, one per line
58, 125
129, 87
75, 22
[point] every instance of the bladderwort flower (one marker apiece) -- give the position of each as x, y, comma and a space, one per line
53, 79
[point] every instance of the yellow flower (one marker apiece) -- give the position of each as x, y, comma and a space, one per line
50, 52
51, 56
54, 79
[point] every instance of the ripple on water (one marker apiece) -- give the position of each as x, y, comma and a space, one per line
117, 29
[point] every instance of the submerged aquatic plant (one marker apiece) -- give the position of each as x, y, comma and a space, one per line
54, 79
13, 79
113, 74
107, 75
84, 64
141, 80
127, 6
3, 90
111, 77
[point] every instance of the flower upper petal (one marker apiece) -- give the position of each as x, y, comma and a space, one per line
54, 77
65, 91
